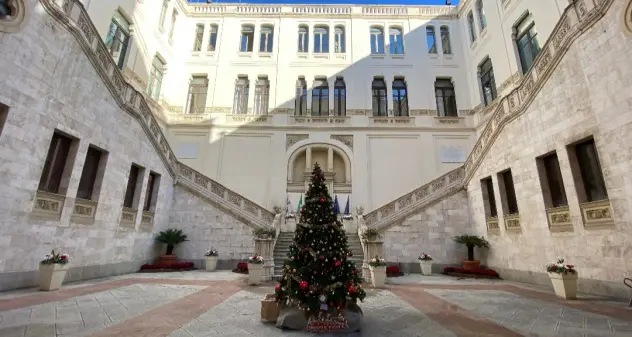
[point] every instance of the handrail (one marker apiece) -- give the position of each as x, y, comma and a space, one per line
74, 17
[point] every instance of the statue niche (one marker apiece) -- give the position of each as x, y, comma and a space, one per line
334, 162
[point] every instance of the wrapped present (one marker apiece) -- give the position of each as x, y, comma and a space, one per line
269, 308
336, 324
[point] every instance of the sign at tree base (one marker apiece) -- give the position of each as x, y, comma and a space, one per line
336, 324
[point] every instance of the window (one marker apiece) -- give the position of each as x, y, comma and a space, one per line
174, 18
445, 40
117, 38
377, 40
527, 42
262, 93
300, 103
199, 37
212, 41
134, 184
321, 39
379, 97
431, 40
508, 193
480, 12
470, 26
551, 181
339, 46
151, 197
240, 101
340, 97
400, 97
4, 112
163, 15
446, 99
198, 87
395, 40
590, 174
155, 78
92, 174
489, 202
488, 83
267, 38
320, 98
58, 165
303, 39
247, 39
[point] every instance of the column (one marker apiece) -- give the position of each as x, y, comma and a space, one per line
389, 96
330, 160
308, 165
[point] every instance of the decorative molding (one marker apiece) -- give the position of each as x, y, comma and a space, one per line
282, 111
493, 228
358, 112
128, 218
48, 206
248, 118
345, 139
512, 223
179, 118
83, 211
597, 214
405, 121
291, 139
316, 120
449, 121
559, 219
20, 14
423, 112
147, 222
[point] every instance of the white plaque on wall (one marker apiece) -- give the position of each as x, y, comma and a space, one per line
451, 154
187, 151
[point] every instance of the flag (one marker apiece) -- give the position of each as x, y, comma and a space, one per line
347, 207
336, 206
300, 204
288, 205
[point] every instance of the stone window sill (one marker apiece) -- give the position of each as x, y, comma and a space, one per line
83, 212
559, 219
492, 226
512, 223
597, 214
128, 218
147, 222
48, 206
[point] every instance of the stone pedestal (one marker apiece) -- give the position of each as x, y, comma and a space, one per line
290, 225
372, 248
264, 248
351, 226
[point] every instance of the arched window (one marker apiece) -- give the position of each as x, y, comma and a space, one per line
320, 98
340, 97
470, 26
395, 40
198, 89
247, 38
377, 40
300, 102
379, 97
240, 101
446, 99
400, 97
445, 40
339, 39
321, 39
267, 38
199, 33
431, 40
303, 39
262, 91
155, 77
480, 11
212, 41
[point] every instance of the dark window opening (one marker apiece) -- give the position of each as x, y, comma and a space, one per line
89, 174
130, 191
489, 201
509, 192
55, 163
554, 180
591, 174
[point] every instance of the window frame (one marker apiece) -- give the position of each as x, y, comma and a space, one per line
339, 39
262, 96
340, 97
471, 27
303, 39
480, 13
92, 174
320, 98
399, 90
198, 41
396, 40
489, 198
431, 34
241, 95
321, 35
377, 36
197, 97
212, 39
444, 86
115, 30
266, 38
379, 97
300, 100
487, 74
522, 48
445, 40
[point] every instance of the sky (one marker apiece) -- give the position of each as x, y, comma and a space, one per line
341, 2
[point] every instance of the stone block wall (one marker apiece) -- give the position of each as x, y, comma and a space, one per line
430, 231
588, 94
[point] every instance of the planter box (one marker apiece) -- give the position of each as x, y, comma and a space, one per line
254, 273
51, 276
565, 285
426, 267
269, 308
378, 276
211, 263
471, 265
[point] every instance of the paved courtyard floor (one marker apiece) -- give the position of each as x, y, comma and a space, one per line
220, 303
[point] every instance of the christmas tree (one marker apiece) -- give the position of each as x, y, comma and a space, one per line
317, 277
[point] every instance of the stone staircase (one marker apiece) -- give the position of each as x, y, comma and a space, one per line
283, 247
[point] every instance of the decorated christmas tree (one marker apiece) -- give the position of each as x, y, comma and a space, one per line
317, 278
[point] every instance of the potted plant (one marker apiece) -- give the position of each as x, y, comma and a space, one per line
211, 259
564, 279
425, 261
255, 269
52, 270
171, 237
378, 272
370, 235
471, 241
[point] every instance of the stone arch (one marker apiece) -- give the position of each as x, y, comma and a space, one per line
626, 19
19, 14
298, 149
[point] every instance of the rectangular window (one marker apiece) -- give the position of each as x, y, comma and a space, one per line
266, 39
58, 165
4, 113
92, 174
174, 18
199, 37
117, 38
594, 187
508, 193
527, 43
198, 89
470, 26
431, 42
151, 197
163, 15
487, 187
134, 184
445, 40
247, 39
300, 102
488, 82
212, 43
155, 78
551, 181
377, 40
445, 97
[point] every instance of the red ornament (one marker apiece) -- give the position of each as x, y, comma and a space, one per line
322, 257
277, 288
303, 285
351, 289
338, 263
354, 271
322, 200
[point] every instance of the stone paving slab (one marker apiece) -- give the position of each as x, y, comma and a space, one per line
532, 317
83, 315
384, 315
